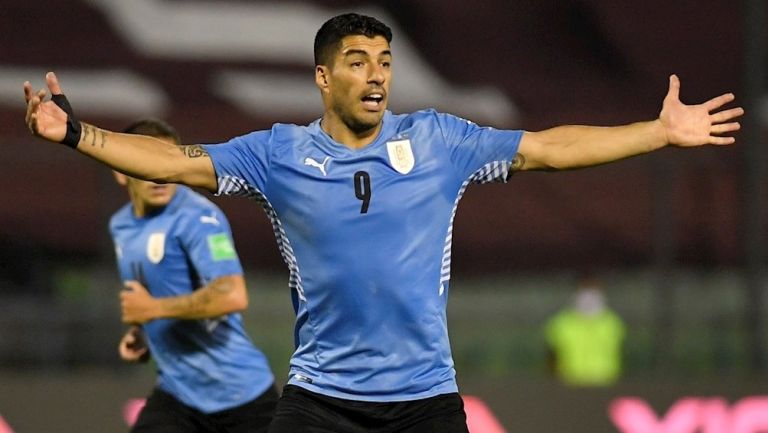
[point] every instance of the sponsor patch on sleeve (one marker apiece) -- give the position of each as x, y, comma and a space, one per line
221, 247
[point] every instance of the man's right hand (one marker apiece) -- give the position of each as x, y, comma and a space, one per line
44, 118
138, 156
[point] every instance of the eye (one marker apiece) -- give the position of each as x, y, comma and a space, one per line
357, 64
386, 64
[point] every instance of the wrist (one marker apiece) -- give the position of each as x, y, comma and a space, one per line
159, 309
659, 135
74, 131
74, 128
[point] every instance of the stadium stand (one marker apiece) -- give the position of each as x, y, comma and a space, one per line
221, 68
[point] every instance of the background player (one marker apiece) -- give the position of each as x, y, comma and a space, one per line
363, 202
184, 291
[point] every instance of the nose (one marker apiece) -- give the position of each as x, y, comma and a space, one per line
376, 74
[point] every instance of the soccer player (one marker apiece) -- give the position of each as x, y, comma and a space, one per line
362, 201
184, 291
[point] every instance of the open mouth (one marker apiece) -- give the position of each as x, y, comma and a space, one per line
373, 101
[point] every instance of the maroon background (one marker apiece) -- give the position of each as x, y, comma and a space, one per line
570, 61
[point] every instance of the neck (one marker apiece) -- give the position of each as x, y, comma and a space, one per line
140, 210
341, 133
143, 209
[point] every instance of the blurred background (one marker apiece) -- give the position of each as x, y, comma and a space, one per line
677, 238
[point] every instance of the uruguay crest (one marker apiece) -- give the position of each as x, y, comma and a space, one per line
156, 247
401, 155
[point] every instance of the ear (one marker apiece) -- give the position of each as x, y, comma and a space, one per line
321, 77
120, 178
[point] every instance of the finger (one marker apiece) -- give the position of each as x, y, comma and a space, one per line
34, 102
41, 95
724, 116
136, 354
132, 285
31, 107
130, 354
720, 141
28, 94
123, 351
715, 103
27, 91
725, 127
53, 83
674, 87
129, 339
32, 114
32, 124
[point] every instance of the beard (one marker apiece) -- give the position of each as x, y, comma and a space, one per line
358, 124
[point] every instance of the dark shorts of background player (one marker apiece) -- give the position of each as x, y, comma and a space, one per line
163, 413
302, 411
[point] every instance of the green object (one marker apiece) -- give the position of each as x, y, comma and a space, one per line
587, 348
221, 247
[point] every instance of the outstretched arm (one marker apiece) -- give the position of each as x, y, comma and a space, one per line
567, 147
138, 156
221, 296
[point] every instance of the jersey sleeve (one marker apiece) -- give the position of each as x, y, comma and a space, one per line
479, 153
241, 164
207, 240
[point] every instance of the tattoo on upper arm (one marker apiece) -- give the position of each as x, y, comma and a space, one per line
518, 163
194, 151
94, 136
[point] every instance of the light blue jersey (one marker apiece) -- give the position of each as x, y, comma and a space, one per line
366, 235
210, 364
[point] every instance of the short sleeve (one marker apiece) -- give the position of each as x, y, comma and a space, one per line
241, 164
207, 239
481, 153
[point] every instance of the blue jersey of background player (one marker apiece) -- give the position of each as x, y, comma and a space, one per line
365, 173
185, 288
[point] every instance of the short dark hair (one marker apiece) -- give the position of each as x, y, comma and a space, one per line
154, 128
335, 29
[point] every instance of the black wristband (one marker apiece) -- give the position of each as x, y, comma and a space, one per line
72, 137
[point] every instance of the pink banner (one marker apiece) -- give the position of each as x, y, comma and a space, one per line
692, 415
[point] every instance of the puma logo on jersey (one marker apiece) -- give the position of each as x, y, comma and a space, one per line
312, 163
205, 219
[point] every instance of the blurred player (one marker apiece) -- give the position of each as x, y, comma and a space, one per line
184, 291
363, 202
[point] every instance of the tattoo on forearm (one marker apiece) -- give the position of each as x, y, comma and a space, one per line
221, 286
194, 151
94, 136
197, 303
518, 162
193, 304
